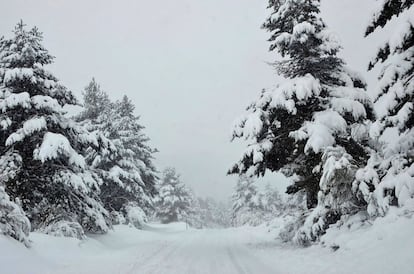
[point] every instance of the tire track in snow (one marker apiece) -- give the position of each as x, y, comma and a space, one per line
139, 258
235, 263
204, 251
151, 263
246, 262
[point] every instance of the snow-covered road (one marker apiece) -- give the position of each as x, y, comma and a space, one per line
158, 248
201, 251
173, 249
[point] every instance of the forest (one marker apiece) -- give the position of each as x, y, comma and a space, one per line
84, 169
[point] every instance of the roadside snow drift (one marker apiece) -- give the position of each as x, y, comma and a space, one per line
384, 247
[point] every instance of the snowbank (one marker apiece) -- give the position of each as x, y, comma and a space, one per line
385, 246
110, 253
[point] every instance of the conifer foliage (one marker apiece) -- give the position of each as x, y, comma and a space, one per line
13, 221
174, 201
58, 175
52, 181
125, 165
388, 179
213, 214
96, 102
252, 206
321, 105
244, 201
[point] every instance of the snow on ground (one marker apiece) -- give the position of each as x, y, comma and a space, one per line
385, 247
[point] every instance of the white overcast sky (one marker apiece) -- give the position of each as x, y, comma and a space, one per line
190, 66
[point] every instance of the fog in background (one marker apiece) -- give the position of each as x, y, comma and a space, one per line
190, 66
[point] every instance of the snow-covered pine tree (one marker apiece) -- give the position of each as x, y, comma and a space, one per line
125, 165
214, 214
174, 201
52, 181
134, 166
243, 194
96, 102
320, 104
194, 214
222, 214
272, 201
247, 207
132, 135
388, 179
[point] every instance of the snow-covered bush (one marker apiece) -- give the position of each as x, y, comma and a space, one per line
135, 216
335, 198
118, 218
13, 221
286, 227
64, 229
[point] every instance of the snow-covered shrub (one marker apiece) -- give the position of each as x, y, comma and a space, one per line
118, 218
382, 184
64, 229
250, 217
13, 221
335, 197
287, 226
135, 216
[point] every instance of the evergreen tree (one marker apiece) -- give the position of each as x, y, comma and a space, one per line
272, 201
254, 207
321, 104
246, 203
134, 167
126, 166
244, 193
131, 134
213, 214
194, 214
174, 201
52, 181
388, 179
96, 101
